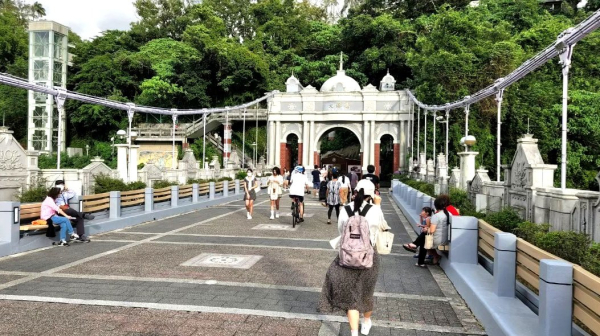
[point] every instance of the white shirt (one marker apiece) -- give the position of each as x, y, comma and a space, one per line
374, 217
345, 181
278, 185
298, 183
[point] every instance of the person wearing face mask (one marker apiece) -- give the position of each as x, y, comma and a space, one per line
250, 187
62, 201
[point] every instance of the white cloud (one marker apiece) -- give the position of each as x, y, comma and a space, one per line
88, 18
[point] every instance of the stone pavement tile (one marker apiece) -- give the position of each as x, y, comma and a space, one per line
306, 268
246, 241
119, 236
58, 256
4, 278
237, 225
173, 223
58, 319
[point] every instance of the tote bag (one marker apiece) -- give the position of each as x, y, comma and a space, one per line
384, 242
428, 242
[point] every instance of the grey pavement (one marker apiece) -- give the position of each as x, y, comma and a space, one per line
134, 281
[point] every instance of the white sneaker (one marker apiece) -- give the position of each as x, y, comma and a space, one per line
74, 236
366, 327
248, 216
272, 217
277, 215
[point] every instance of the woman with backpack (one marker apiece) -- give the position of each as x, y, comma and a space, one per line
333, 196
351, 277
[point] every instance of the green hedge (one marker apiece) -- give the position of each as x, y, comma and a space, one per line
105, 183
575, 247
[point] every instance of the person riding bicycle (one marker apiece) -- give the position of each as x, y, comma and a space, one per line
299, 183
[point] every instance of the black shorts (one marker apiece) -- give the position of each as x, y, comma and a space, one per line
300, 198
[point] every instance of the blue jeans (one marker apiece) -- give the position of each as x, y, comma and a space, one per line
65, 226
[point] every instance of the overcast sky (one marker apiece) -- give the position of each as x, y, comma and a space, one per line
88, 18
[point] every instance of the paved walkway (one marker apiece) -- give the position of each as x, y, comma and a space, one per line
213, 272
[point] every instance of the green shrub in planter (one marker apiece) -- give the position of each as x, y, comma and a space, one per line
225, 179
528, 230
460, 200
569, 245
506, 219
105, 183
163, 184
240, 175
592, 259
37, 192
137, 185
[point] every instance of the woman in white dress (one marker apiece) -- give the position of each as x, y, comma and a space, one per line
275, 191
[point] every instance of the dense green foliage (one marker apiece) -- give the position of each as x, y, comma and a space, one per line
49, 161
163, 184
188, 54
105, 183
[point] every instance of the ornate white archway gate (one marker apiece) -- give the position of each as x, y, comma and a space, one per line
309, 114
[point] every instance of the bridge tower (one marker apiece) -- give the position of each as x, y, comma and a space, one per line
48, 58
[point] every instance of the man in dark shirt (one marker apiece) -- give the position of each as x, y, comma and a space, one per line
316, 174
372, 177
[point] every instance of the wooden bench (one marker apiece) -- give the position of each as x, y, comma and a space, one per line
31, 212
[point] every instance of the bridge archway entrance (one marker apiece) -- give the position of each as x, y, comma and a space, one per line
341, 148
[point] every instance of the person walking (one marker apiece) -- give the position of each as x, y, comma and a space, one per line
275, 191
347, 289
250, 187
333, 196
344, 189
49, 212
316, 179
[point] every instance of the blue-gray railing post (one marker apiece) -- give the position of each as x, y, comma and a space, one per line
426, 202
465, 235
225, 188
211, 190
505, 264
174, 196
115, 204
237, 187
10, 222
419, 202
148, 199
195, 189
556, 297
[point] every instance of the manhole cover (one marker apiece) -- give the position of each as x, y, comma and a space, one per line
223, 260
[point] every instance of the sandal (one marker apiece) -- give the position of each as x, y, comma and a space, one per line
408, 248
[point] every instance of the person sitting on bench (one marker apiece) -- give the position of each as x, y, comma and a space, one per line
49, 212
63, 202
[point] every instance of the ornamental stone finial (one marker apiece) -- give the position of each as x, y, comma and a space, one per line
341, 61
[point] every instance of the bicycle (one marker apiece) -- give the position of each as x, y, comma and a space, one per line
295, 211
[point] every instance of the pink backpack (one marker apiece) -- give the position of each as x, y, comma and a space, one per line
356, 250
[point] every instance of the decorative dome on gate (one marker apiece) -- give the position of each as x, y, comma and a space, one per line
340, 82
388, 83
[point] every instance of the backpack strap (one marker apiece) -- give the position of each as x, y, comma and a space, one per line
349, 211
364, 211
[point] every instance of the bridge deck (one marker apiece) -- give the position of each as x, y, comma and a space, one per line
141, 281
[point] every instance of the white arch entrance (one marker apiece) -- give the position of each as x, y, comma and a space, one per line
368, 112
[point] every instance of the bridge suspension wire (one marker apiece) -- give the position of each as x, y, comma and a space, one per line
24, 84
566, 39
